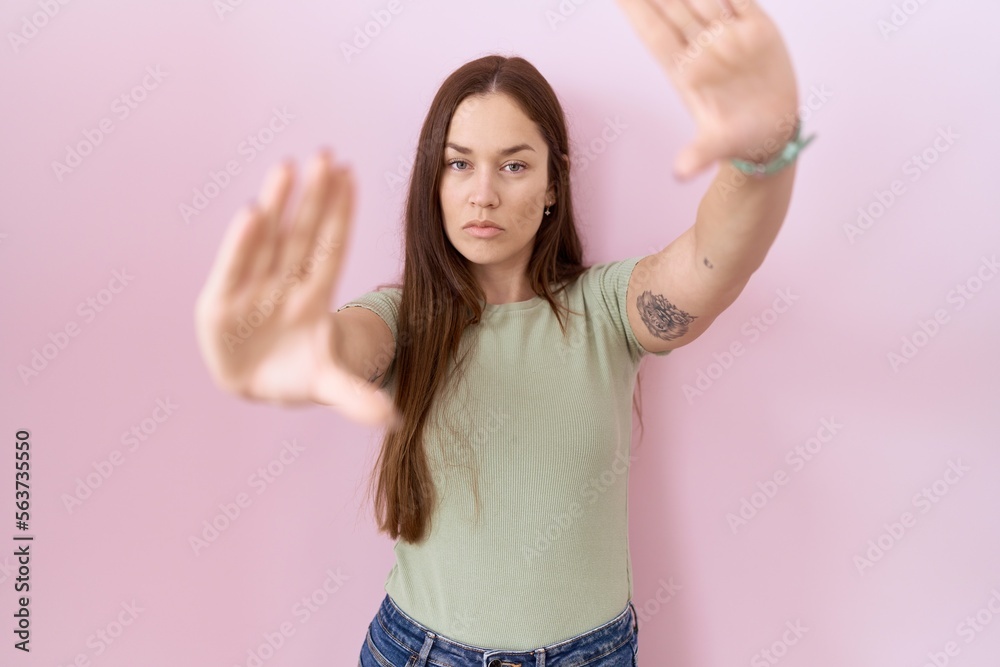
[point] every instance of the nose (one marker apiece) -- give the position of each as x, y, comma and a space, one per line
485, 194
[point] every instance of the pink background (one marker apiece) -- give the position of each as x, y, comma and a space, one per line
885, 98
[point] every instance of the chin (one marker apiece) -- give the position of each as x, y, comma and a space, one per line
478, 256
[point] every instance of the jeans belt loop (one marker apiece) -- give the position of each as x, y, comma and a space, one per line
425, 649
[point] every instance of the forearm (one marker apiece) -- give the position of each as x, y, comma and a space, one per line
737, 222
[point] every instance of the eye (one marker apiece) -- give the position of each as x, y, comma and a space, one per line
521, 166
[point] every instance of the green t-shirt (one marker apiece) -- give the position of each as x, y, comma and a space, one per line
538, 427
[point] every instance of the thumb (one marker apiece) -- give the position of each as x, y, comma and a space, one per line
695, 157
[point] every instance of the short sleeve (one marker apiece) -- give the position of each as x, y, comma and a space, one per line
610, 280
384, 303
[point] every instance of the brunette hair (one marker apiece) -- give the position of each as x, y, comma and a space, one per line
441, 298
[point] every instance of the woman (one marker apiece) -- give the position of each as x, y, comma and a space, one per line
502, 366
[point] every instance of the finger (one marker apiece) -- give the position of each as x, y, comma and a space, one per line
679, 13
307, 216
703, 12
333, 235
272, 200
712, 10
697, 156
742, 7
235, 254
653, 27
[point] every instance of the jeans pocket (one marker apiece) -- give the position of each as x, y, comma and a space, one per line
386, 656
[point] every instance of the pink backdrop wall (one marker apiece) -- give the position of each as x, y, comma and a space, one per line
868, 489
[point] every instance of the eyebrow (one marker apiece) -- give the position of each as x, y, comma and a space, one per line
504, 152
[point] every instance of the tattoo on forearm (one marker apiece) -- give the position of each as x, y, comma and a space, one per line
662, 318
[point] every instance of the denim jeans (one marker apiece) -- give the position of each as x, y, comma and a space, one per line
396, 640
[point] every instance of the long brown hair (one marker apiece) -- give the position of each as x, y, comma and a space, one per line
440, 296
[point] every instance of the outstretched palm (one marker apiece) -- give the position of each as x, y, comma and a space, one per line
262, 317
730, 66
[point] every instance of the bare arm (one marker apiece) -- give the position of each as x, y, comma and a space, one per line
676, 293
262, 318
730, 65
362, 344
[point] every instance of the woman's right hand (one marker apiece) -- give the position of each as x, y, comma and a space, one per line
262, 318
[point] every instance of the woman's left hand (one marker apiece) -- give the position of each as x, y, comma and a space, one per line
729, 63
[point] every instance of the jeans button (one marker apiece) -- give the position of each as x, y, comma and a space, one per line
494, 663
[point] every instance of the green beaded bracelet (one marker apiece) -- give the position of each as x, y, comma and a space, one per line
788, 155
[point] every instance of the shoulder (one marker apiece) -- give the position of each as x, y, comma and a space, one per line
603, 285
383, 302
604, 289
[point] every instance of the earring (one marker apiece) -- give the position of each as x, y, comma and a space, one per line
546, 210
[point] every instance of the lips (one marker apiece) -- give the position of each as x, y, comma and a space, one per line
485, 224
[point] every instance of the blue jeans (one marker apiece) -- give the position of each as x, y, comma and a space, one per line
396, 640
